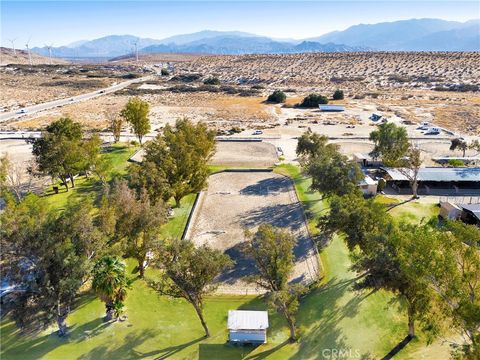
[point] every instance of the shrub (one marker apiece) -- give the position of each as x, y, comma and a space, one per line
313, 100
456, 163
338, 95
277, 96
381, 184
212, 81
165, 72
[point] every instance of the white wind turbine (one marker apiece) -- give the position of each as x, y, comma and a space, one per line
136, 50
28, 51
49, 47
12, 41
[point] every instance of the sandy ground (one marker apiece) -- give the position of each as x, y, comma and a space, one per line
20, 156
245, 154
237, 201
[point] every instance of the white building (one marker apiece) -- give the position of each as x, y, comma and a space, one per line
368, 186
247, 326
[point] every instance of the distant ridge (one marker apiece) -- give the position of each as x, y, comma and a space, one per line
404, 35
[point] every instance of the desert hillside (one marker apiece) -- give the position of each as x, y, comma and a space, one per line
378, 69
21, 57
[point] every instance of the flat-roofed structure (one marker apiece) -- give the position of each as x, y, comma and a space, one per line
436, 180
247, 327
332, 108
470, 213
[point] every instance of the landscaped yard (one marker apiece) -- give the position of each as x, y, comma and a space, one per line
331, 317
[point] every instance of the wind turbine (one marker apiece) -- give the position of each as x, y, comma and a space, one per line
136, 50
28, 51
49, 47
13, 45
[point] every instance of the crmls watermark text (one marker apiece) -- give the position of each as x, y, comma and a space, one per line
340, 354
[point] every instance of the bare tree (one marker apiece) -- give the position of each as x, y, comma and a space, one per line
18, 178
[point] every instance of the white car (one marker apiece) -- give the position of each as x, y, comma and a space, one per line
23, 111
433, 131
258, 132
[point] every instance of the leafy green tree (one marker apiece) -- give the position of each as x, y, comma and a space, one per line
313, 100
459, 144
410, 166
334, 175
136, 222
357, 218
176, 161
278, 96
272, 250
91, 153
338, 95
58, 151
110, 282
312, 145
457, 281
115, 124
46, 267
4, 166
136, 113
391, 143
189, 273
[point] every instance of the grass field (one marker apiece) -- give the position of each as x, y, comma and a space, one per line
333, 316
117, 156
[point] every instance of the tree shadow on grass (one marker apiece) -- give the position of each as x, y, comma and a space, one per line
124, 351
398, 348
168, 351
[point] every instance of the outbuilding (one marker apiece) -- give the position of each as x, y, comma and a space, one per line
247, 326
470, 214
436, 180
331, 108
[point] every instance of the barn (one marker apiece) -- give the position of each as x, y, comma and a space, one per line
436, 181
247, 327
331, 108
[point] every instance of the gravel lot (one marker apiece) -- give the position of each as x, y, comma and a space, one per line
244, 153
236, 201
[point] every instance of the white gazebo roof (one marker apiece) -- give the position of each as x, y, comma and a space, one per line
247, 320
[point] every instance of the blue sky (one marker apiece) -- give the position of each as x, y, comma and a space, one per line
63, 22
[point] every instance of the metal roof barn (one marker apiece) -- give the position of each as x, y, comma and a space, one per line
331, 107
439, 174
247, 326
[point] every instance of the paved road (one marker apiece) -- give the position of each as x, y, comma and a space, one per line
71, 100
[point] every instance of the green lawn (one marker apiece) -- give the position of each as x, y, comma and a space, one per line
116, 154
332, 316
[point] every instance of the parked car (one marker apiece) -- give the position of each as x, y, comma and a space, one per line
258, 132
433, 131
23, 111
424, 125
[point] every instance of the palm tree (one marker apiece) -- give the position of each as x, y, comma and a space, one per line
110, 282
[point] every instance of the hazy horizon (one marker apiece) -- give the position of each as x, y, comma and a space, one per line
65, 22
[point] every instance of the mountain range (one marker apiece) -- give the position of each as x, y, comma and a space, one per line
404, 35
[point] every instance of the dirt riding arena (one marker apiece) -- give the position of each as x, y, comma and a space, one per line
236, 201
245, 154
